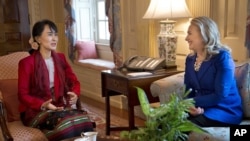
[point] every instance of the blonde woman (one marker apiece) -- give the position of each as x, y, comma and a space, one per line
209, 72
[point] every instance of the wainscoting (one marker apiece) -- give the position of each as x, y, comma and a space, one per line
90, 79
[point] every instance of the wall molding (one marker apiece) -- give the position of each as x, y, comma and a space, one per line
34, 11
199, 7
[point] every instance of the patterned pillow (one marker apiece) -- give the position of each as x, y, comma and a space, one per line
24, 133
8, 88
86, 50
9, 64
243, 82
166, 86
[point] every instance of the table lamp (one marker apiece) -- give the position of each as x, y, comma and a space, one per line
167, 39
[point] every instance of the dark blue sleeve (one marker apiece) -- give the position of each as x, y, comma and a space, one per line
220, 86
224, 78
187, 77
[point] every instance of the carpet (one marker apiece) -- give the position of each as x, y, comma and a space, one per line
98, 116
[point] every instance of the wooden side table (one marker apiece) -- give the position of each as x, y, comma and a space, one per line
115, 82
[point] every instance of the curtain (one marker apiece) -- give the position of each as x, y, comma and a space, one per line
113, 13
69, 28
247, 37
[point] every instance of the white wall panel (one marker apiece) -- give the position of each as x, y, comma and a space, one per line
231, 19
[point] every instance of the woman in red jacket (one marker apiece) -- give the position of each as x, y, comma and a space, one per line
45, 79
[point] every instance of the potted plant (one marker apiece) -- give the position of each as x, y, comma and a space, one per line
168, 122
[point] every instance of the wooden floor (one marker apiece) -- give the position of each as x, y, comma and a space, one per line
116, 111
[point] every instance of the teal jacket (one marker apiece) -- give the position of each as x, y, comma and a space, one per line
214, 87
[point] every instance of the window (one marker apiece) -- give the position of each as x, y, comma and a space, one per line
91, 21
102, 22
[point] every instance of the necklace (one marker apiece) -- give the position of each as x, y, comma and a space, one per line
197, 64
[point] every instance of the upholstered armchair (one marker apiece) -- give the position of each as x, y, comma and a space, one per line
11, 125
164, 87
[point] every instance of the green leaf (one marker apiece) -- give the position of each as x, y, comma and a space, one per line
168, 122
146, 109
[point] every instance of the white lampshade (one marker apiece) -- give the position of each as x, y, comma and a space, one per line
167, 9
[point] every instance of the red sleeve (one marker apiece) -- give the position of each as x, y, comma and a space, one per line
25, 73
72, 81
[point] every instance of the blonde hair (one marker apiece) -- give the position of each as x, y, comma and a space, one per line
210, 35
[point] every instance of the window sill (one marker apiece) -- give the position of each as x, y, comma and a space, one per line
102, 44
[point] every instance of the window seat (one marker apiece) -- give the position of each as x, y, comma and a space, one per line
88, 72
90, 60
96, 64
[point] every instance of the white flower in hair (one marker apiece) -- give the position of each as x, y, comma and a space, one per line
34, 45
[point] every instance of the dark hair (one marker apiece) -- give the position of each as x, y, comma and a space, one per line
39, 27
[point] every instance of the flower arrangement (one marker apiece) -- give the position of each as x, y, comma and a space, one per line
167, 122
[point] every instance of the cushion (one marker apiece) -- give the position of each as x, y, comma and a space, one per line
162, 88
86, 50
24, 133
214, 134
8, 88
9, 64
243, 82
96, 64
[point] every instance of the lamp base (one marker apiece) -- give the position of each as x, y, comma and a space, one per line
167, 42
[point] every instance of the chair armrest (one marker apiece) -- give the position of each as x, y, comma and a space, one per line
5, 131
166, 86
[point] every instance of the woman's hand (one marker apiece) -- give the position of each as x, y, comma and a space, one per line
72, 98
48, 105
196, 111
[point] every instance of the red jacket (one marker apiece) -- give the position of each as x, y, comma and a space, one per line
29, 101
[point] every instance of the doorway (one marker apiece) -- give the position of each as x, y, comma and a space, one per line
14, 26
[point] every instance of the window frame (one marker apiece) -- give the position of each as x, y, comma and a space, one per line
94, 20
105, 20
